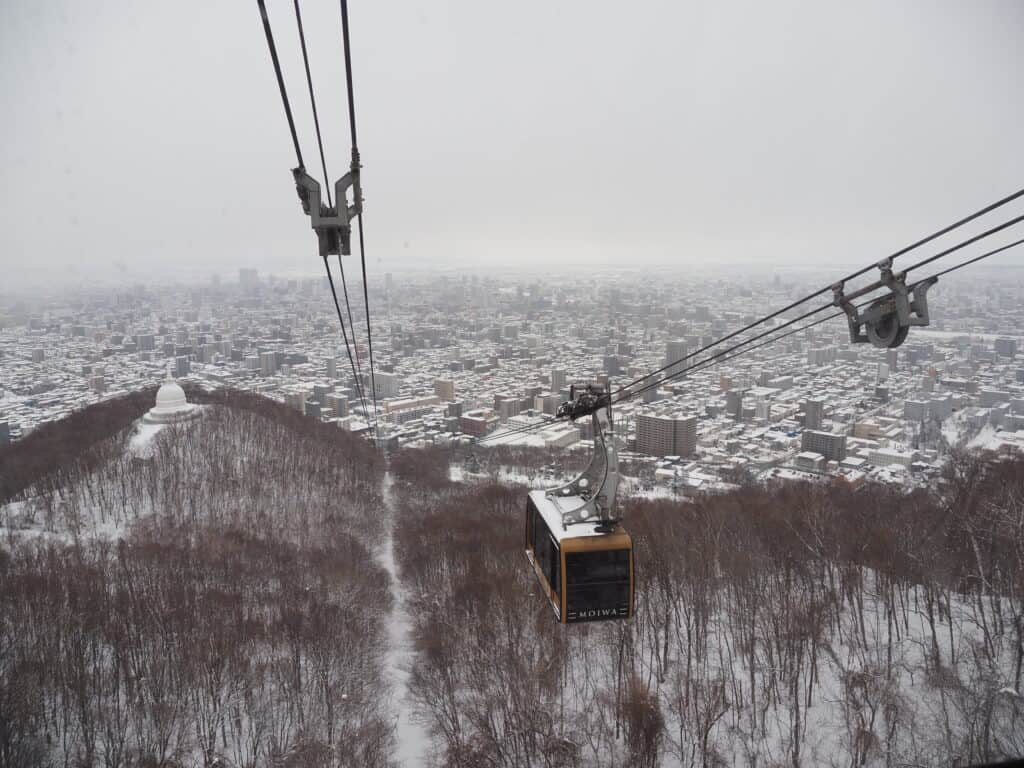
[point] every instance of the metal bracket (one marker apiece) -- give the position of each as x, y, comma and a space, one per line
597, 485
333, 225
886, 322
587, 402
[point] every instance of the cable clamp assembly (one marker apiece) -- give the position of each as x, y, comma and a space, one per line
888, 319
595, 488
583, 403
333, 225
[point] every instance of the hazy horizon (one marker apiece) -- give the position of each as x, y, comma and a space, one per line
151, 144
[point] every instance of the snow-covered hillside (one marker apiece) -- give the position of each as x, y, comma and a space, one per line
793, 625
224, 592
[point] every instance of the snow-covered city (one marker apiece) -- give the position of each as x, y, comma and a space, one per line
535, 385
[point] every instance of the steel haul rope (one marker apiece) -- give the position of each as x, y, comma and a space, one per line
356, 165
923, 241
748, 345
280, 81
298, 154
312, 102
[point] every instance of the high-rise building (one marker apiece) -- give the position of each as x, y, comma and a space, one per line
557, 379
892, 359
734, 403
444, 389
1006, 347
611, 365
386, 384
915, 410
38, 355
337, 403
821, 356
675, 351
814, 411
811, 461
547, 402
479, 422
182, 367
884, 457
829, 444
268, 363
248, 279
507, 406
990, 397
332, 368
666, 435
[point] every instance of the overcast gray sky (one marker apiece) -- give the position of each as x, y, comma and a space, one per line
150, 135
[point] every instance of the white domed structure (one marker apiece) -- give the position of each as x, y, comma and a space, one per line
171, 405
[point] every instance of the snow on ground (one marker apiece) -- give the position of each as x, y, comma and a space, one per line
141, 442
946, 335
987, 438
56, 521
990, 439
413, 741
27, 521
529, 439
954, 428
629, 487
9, 398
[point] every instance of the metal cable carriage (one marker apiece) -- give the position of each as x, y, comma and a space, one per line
581, 554
886, 322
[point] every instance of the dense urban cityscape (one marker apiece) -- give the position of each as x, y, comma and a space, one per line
462, 356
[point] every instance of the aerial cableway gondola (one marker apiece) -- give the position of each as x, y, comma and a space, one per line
581, 554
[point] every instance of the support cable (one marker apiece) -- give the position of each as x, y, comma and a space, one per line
348, 311
312, 102
357, 369
715, 358
356, 165
976, 259
923, 241
974, 239
344, 333
369, 334
743, 347
280, 81
754, 324
348, 78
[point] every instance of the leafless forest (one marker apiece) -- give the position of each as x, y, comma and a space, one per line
794, 625
238, 622
214, 597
